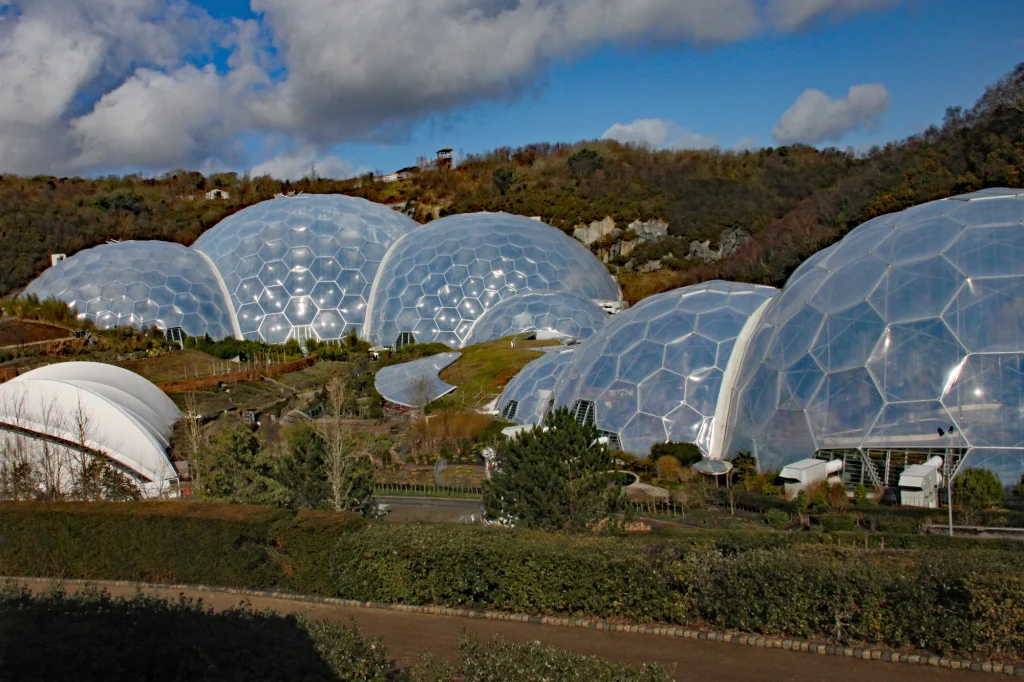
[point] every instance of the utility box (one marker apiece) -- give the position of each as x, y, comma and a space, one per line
807, 473
919, 484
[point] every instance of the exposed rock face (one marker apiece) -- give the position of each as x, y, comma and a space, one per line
596, 231
730, 241
649, 231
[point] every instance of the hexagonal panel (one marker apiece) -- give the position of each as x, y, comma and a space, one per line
299, 243
135, 283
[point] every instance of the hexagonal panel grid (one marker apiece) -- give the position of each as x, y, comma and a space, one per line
142, 284
533, 388
304, 261
654, 371
438, 281
890, 355
564, 314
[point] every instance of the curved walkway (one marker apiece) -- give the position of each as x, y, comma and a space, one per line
407, 634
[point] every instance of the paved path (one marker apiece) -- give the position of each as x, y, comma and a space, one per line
408, 634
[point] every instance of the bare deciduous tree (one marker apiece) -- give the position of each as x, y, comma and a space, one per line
347, 457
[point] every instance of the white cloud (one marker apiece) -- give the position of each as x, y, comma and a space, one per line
298, 163
94, 85
651, 132
658, 133
793, 15
815, 117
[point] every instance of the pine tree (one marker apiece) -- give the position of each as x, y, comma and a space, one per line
553, 478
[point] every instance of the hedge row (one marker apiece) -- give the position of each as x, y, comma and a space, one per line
171, 542
45, 635
963, 596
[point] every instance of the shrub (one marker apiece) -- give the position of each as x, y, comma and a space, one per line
500, 661
832, 523
978, 489
669, 469
893, 523
687, 454
924, 591
46, 634
776, 518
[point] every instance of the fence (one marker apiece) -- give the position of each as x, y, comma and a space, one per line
415, 490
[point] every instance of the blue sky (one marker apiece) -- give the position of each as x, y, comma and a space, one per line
930, 55
94, 86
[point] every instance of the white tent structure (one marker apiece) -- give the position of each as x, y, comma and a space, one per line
64, 408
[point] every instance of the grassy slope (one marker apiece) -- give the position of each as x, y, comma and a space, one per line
178, 365
484, 368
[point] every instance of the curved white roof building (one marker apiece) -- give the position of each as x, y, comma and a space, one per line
110, 410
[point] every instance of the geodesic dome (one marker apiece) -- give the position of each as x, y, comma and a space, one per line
303, 266
142, 284
652, 374
441, 278
560, 313
912, 323
528, 396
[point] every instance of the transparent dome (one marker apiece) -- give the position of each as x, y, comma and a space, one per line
527, 397
561, 313
653, 373
142, 284
302, 267
911, 323
439, 280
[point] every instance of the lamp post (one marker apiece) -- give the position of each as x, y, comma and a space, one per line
949, 433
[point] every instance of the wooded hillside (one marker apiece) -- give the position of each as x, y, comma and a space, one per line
792, 200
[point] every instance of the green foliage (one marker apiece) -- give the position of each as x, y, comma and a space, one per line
45, 635
687, 454
230, 348
301, 468
801, 502
48, 310
744, 467
503, 178
860, 496
834, 523
585, 163
553, 478
777, 519
978, 489
234, 468
953, 596
101, 481
501, 661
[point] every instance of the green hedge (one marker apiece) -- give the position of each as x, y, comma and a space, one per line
939, 600
172, 542
962, 595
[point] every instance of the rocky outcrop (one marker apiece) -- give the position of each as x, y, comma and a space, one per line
728, 243
596, 231
649, 231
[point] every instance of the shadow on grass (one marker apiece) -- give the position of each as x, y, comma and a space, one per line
93, 636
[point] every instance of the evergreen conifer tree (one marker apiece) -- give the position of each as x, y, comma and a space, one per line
556, 477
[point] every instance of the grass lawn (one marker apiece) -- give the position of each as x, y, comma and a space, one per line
484, 369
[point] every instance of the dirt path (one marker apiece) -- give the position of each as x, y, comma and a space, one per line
408, 634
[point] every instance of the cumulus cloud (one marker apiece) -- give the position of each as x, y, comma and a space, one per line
94, 85
815, 117
658, 133
298, 163
56, 55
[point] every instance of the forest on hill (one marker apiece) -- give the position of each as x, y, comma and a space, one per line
792, 200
